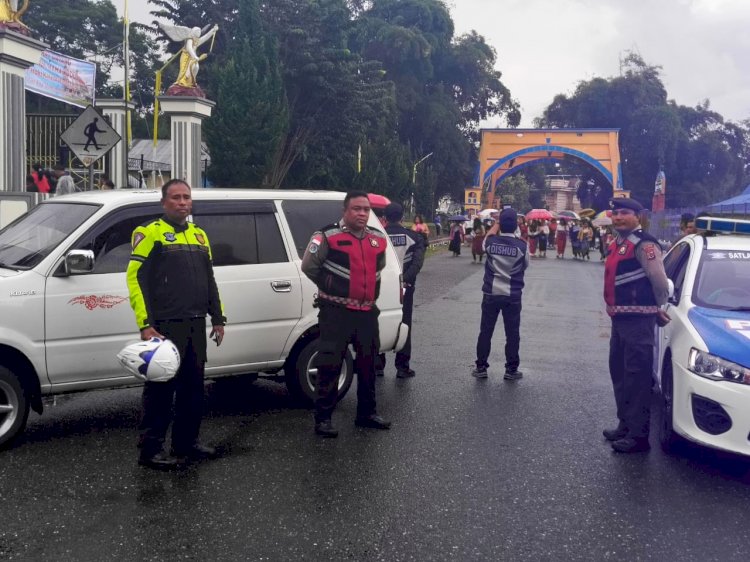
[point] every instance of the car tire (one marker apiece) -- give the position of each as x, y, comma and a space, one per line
14, 407
667, 436
301, 371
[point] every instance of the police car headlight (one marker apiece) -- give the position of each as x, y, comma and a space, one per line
715, 368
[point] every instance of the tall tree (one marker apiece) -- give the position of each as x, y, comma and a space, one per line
244, 134
705, 159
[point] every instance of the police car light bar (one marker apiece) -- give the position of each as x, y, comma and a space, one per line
723, 225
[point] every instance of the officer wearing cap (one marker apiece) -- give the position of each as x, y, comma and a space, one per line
507, 261
635, 287
410, 248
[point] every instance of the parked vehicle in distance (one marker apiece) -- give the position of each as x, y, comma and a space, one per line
64, 297
703, 354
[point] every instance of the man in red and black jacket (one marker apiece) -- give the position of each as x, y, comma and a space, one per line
635, 286
344, 260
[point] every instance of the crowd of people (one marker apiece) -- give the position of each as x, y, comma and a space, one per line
540, 235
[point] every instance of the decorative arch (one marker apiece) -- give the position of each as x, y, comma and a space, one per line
504, 152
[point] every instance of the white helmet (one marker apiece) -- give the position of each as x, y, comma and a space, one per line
154, 360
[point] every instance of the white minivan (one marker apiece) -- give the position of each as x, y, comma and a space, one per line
64, 298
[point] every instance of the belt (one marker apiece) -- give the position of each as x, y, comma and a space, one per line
631, 309
346, 301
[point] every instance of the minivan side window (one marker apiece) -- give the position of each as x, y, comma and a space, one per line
241, 238
305, 217
110, 240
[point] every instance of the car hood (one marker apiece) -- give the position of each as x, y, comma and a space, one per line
726, 333
4, 272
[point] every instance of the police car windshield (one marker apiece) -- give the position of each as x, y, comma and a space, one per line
723, 280
29, 239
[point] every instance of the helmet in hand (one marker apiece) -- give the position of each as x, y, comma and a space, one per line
155, 360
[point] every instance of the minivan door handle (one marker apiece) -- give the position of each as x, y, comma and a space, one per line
282, 286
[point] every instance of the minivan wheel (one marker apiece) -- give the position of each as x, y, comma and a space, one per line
667, 436
301, 373
14, 407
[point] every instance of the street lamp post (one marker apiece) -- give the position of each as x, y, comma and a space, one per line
414, 179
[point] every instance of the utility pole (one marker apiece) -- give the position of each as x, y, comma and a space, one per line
414, 180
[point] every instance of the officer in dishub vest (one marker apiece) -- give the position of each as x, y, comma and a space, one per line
635, 287
344, 260
507, 261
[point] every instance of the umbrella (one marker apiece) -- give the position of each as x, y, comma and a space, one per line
568, 215
487, 213
378, 201
587, 213
603, 219
458, 218
539, 214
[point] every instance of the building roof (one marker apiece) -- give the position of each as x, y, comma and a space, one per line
159, 157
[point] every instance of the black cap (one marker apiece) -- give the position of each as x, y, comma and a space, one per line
625, 203
393, 212
508, 220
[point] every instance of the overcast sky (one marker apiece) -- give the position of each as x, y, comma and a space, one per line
545, 47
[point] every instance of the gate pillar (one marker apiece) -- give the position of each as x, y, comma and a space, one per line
187, 114
17, 53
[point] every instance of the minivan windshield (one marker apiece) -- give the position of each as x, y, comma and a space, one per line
27, 241
723, 280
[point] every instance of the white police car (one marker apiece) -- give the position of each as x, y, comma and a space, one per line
703, 354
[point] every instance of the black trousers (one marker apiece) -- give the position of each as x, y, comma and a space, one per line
184, 391
403, 357
631, 358
492, 306
340, 326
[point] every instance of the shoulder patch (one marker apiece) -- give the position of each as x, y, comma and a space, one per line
200, 238
649, 251
138, 237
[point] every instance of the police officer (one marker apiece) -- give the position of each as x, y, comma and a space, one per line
344, 261
172, 289
410, 248
635, 285
507, 261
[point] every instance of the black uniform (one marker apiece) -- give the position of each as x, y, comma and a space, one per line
410, 248
172, 289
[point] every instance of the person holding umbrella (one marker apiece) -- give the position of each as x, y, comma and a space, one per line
506, 263
561, 238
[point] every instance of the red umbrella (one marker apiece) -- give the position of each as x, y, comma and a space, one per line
539, 215
378, 201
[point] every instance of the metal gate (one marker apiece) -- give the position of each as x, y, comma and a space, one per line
43, 146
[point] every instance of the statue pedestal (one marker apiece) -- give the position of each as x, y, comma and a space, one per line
117, 160
17, 53
187, 114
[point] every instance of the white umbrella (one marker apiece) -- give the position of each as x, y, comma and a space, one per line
487, 213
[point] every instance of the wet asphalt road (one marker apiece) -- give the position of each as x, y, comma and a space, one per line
472, 470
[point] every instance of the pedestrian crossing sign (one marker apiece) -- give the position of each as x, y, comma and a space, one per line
90, 137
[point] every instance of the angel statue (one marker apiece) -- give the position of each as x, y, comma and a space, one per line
10, 15
194, 37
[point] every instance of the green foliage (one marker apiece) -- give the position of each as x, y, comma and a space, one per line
516, 190
248, 88
704, 158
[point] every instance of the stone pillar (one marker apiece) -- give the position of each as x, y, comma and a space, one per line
187, 114
17, 53
117, 159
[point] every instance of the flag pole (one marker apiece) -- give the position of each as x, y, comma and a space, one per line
126, 57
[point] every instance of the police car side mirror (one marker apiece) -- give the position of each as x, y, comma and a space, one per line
79, 261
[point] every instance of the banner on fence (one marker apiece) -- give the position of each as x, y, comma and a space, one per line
63, 78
